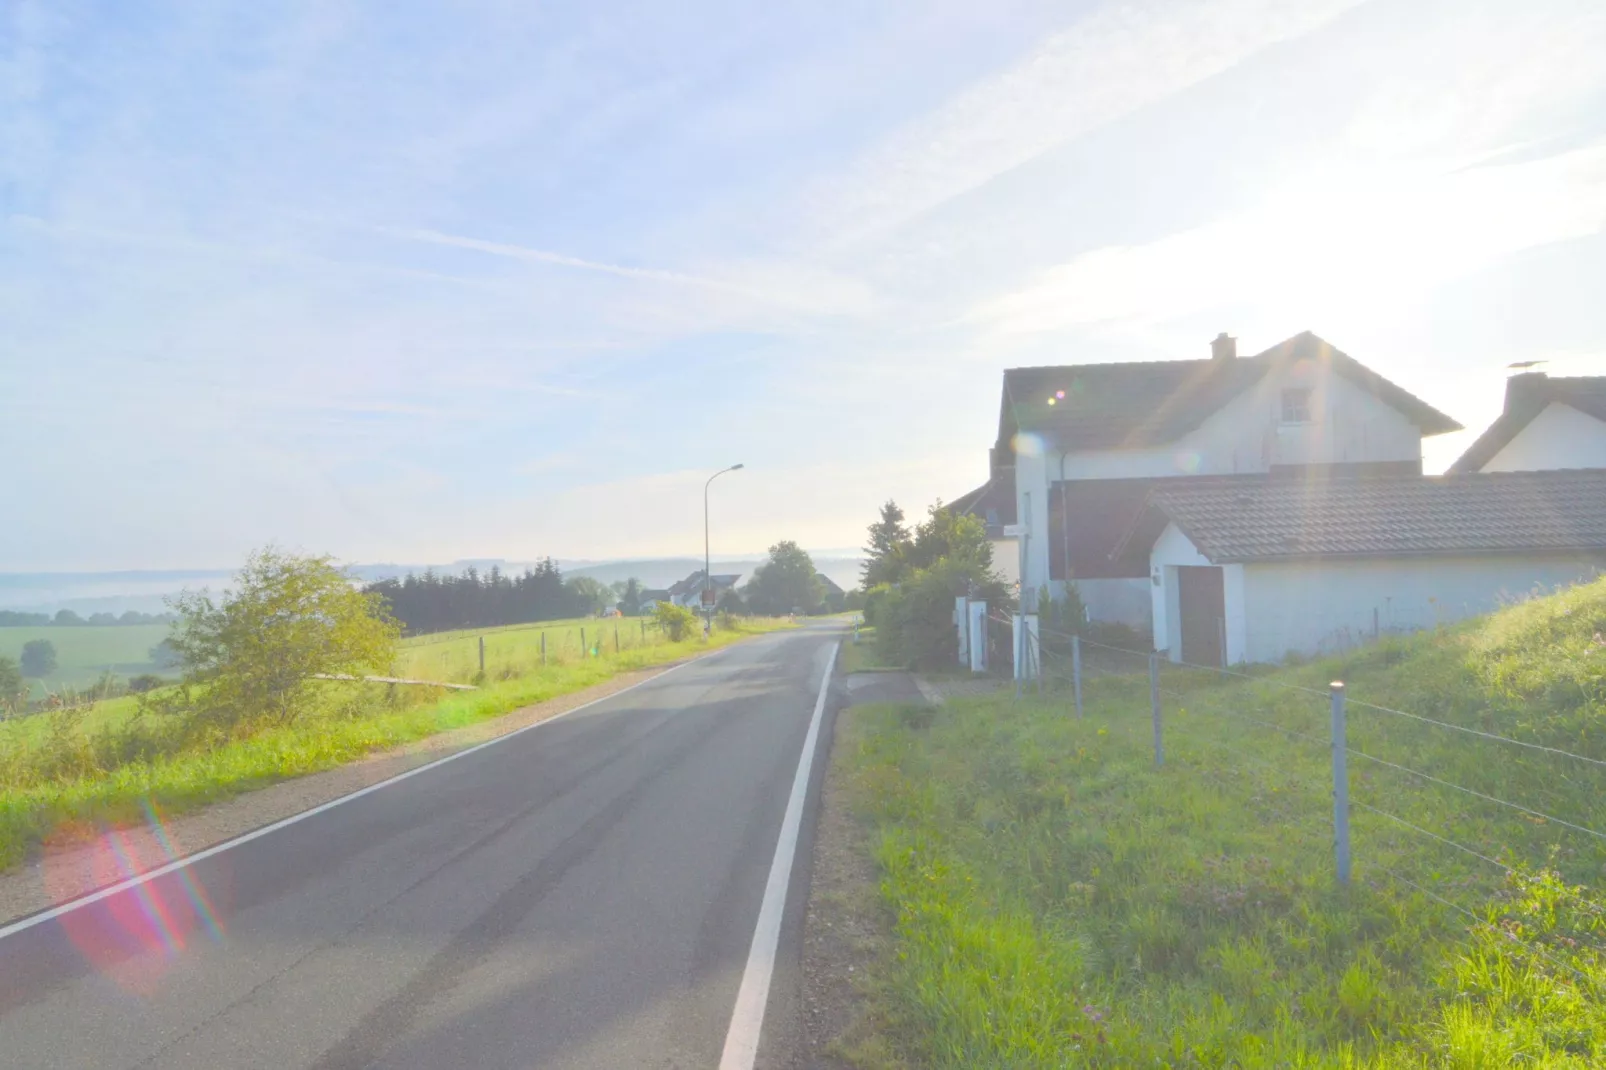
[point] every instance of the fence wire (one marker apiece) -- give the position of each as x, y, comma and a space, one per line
1097, 658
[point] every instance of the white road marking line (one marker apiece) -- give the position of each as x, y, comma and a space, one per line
218, 848
747, 1020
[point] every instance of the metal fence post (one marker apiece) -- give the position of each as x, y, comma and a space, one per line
1221, 637
1340, 785
1154, 706
482, 653
1076, 672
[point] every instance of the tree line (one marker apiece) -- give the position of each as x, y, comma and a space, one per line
66, 618
439, 603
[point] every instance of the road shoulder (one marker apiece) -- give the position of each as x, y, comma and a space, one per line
846, 928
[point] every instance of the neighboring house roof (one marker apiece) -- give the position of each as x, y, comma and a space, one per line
1133, 405
694, 582
831, 586
1527, 396
993, 502
655, 595
1482, 513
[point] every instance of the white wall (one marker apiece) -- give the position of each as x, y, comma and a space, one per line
1321, 607
1559, 437
1174, 550
1006, 559
1348, 425
1118, 601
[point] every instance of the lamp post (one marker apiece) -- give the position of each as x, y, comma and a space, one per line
708, 579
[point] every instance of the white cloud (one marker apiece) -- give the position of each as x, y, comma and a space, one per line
1118, 59
1343, 247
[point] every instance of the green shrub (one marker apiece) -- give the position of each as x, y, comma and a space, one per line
914, 621
678, 622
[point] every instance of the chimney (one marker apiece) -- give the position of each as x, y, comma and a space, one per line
1528, 390
1225, 347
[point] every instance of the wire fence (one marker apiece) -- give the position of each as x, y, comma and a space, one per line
1404, 790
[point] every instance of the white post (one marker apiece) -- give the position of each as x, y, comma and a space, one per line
1076, 671
1026, 651
962, 624
978, 637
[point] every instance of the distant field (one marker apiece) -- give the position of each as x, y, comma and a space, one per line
83, 653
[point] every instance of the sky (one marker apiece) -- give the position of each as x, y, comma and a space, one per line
419, 282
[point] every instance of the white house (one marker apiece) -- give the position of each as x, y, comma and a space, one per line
1081, 447
1312, 565
689, 591
1547, 424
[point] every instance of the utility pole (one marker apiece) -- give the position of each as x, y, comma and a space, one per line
708, 579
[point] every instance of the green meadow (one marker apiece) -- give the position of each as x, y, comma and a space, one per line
85, 652
1053, 899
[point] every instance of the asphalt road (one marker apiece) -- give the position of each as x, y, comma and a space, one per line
581, 895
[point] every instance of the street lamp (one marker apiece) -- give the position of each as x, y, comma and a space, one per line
708, 579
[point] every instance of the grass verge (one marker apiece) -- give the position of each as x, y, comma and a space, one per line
1055, 900
360, 719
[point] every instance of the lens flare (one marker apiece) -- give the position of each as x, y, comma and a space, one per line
1028, 445
133, 936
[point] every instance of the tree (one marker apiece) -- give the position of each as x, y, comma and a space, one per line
946, 535
12, 688
102, 619
67, 617
630, 597
288, 619
785, 582
588, 595
38, 658
730, 601
886, 558
165, 655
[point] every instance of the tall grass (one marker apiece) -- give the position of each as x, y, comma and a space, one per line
1058, 901
97, 766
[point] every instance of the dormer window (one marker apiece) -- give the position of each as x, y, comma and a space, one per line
1296, 405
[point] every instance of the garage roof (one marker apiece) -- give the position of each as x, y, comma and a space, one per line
1494, 512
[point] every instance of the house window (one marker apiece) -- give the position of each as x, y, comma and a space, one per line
1296, 406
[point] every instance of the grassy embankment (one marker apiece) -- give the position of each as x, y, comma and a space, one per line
85, 651
1056, 901
62, 771
862, 656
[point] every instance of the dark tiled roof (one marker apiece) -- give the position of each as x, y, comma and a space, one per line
993, 501
694, 582
1124, 406
1099, 514
1526, 397
1497, 512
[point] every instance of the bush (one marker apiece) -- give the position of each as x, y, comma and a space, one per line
287, 620
914, 621
678, 622
13, 694
144, 682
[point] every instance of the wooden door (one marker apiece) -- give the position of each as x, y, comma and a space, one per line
1202, 595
